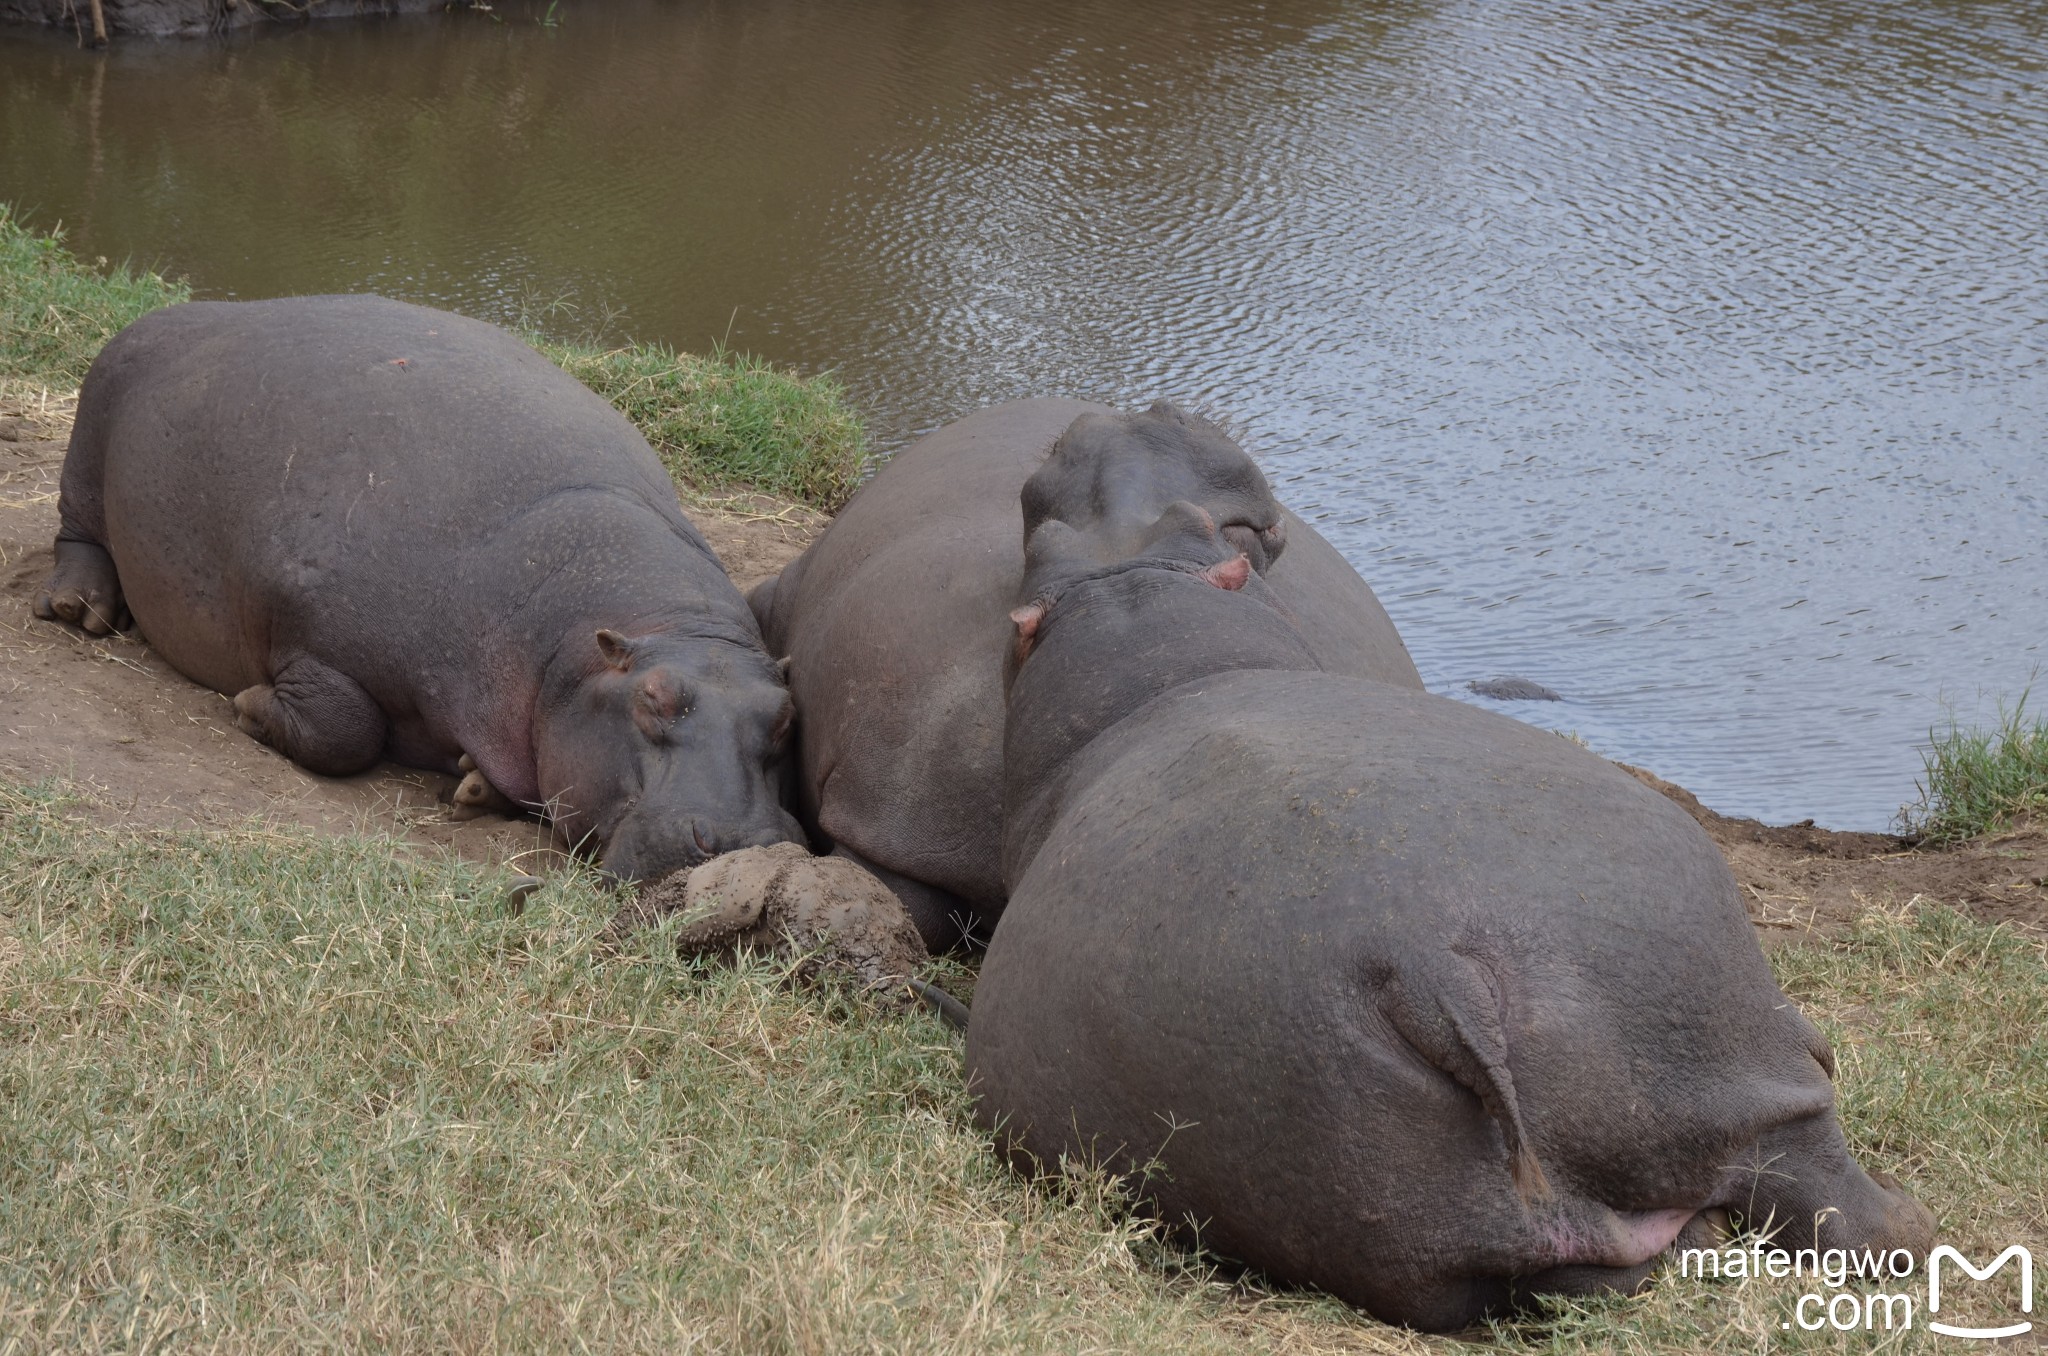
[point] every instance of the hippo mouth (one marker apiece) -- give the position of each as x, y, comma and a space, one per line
1613, 1252
1260, 545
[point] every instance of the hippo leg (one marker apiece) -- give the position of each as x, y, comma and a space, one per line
476, 796
943, 919
318, 717
83, 590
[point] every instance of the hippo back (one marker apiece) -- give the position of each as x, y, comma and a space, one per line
291, 432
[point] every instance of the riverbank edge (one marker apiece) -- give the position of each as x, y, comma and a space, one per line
96, 22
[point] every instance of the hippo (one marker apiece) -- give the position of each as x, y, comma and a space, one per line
1367, 988
892, 622
391, 532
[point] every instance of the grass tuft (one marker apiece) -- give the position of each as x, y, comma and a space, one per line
56, 312
1981, 781
727, 420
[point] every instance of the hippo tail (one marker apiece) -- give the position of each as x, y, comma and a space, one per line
951, 1010
1456, 1024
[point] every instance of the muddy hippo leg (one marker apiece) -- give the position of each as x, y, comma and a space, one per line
318, 717
476, 796
83, 590
943, 919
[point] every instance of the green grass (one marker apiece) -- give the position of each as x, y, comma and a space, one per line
1980, 781
727, 420
723, 421
265, 1089
56, 312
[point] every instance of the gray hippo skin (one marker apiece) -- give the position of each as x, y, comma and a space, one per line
893, 622
389, 531
1405, 1000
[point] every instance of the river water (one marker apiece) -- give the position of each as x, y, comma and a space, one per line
1690, 358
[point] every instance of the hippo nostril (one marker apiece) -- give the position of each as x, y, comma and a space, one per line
697, 836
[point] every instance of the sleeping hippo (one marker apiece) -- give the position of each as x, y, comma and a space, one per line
390, 532
1373, 990
893, 622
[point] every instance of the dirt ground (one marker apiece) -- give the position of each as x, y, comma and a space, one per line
149, 747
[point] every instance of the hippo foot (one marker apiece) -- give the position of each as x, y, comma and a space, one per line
823, 911
252, 707
83, 590
475, 796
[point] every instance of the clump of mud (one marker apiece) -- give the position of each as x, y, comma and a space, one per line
823, 912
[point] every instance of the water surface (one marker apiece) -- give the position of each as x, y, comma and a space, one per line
1691, 359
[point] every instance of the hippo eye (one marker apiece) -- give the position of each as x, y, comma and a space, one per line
659, 703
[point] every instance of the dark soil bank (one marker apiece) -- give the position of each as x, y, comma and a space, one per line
196, 18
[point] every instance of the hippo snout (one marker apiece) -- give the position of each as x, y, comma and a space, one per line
645, 852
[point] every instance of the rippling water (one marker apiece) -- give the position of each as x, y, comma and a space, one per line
1691, 359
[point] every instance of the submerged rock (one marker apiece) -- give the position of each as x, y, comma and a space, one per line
1514, 690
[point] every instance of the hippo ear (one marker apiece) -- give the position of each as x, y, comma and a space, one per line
616, 649
1449, 1011
782, 669
1180, 524
1053, 545
1231, 574
1027, 618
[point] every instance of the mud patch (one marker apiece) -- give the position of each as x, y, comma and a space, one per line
1800, 881
824, 912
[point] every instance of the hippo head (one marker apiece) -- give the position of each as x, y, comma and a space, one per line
662, 751
1060, 558
1111, 476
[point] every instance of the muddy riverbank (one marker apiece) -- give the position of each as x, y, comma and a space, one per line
146, 746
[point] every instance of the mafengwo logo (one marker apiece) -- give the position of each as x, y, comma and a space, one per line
2011, 1254
1888, 1307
